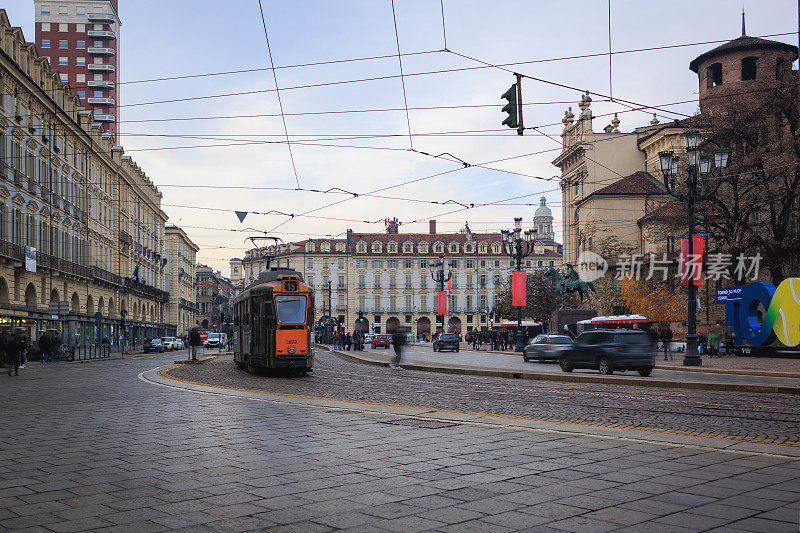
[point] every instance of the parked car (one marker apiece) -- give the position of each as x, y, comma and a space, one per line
610, 350
546, 348
154, 345
446, 341
381, 341
179, 344
368, 338
213, 340
169, 343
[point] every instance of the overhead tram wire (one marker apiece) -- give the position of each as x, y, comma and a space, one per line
279, 67
402, 78
565, 86
389, 187
278, 93
484, 65
444, 27
462, 69
389, 56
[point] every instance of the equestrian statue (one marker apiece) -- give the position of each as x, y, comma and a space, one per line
570, 282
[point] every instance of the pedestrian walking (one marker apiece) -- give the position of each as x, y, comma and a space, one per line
17, 347
348, 342
729, 339
398, 342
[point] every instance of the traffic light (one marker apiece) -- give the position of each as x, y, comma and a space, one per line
511, 107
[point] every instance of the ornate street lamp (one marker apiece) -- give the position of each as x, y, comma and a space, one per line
698, 164
440, 277
518, 245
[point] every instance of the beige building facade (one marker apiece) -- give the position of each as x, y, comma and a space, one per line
386, 277
181, 268
81, 227
611, 182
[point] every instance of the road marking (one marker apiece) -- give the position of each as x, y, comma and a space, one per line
165, 374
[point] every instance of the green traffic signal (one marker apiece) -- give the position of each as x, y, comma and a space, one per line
511, 107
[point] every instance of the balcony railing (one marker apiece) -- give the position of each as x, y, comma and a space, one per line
51, 262
125, 237
101, 84
104, 118
146, 290
101, 100
101, 67
102, 17
12, 251
101, 50
101, 34
104, 275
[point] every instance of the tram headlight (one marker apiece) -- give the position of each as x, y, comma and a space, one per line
290, 349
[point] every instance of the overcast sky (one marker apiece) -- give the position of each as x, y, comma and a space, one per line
180, 37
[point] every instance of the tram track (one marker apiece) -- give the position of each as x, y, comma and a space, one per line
727, 414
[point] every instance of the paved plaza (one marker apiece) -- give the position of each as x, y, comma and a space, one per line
116, 446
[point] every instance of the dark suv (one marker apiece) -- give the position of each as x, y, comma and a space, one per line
611, 350
446, 341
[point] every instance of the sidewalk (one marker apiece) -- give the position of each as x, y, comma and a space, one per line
508, 365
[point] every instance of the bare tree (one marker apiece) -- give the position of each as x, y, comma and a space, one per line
757, 207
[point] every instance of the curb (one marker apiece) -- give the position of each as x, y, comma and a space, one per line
588, 378
738, 372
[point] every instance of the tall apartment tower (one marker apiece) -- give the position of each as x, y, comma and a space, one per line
81, 40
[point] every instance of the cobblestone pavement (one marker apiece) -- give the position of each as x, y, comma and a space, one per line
90, 446
750, 416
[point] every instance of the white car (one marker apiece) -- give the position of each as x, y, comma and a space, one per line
213, 340
179, 344
169, 343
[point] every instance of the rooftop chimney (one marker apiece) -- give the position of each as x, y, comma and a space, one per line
433, 227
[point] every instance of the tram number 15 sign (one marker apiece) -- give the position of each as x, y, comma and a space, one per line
782, 317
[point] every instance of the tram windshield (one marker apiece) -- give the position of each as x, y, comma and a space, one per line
291, 309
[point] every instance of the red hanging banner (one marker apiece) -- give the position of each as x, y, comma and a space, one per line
518, 292
441, 301
692, 267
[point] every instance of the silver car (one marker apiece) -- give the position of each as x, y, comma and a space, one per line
546, 348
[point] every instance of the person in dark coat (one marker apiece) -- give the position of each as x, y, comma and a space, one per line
17, 346
398, 342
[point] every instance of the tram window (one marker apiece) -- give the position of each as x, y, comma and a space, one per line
291, 309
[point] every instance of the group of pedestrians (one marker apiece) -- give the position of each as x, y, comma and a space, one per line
498, 339
348, 341
720, 343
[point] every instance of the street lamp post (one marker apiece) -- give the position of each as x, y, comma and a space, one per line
698, 169
438, 275
518, 245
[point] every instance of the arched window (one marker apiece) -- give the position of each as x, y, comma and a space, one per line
453, 248
362, 248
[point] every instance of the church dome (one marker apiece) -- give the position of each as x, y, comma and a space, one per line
543, 210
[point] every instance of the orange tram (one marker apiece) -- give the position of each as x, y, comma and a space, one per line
272, 323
